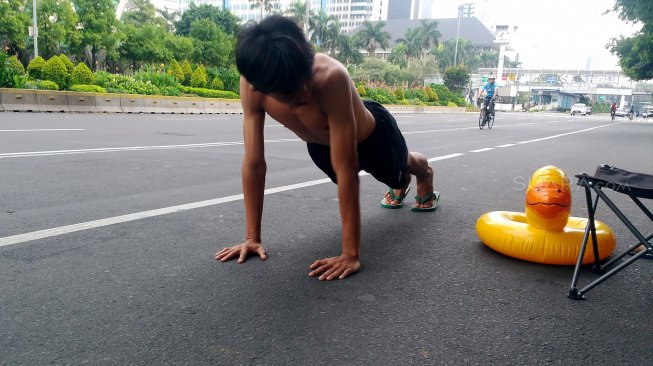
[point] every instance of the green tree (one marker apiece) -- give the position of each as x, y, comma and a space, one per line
348, 51
429, 34
297, 11
180, 46
456, 78
188, 72
56, 21
319, 29
373, 36
13, 26
144, 44
176, 71
263, 5
398, 56
169, 19
199, 78
97, 24
211, 45
635, 56
140, 12
412, 44
223, 18
82, 75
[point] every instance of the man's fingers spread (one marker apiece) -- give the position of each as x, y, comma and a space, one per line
228, 256
261, 253
316, 264
345, 273
243, 256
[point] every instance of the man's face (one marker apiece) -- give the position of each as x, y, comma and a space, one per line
491, 80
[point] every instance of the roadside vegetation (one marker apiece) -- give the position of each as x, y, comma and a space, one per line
83, 46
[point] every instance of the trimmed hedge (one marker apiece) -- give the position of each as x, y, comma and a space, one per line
87, 88
83, 75
208, 93
35, 68
55, 70
47, 85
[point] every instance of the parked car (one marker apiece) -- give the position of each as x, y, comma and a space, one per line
621, 113
647, 111
579, 108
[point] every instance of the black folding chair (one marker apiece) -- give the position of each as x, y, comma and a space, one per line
635, 186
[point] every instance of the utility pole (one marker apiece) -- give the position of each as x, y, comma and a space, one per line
308, 17
35, 31
464, 9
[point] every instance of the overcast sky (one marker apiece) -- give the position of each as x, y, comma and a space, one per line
554, 33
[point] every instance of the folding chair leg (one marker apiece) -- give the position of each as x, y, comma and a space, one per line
574, 292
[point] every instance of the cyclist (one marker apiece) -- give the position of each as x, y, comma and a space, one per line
631, 112
613, 110
491, 94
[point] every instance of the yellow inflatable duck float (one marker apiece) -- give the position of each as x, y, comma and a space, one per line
544, 233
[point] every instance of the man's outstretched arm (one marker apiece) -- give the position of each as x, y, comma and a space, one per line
253, 176
337, 103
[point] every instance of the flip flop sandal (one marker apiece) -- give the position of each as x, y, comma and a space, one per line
400, 198
422, 200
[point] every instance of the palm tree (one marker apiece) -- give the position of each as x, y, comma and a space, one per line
430, 34
170, 18
266, 5
297, 12
319, 27
413, 44
373, 35
348, 51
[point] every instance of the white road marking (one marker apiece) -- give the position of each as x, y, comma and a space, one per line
565, 134
506, 145
481, 150
41, 234
132, 148
46, 130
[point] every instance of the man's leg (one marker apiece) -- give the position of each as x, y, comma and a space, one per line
418, 166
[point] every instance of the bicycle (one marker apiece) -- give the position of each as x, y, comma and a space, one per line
631, 115
485, 117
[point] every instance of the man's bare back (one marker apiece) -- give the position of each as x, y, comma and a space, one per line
305, 113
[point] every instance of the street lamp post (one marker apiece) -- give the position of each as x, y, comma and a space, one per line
455, 54
461, 9
35, 31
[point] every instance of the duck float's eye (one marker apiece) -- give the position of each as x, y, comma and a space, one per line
559, 191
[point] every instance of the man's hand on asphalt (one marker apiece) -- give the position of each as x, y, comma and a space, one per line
242, 251
335, 267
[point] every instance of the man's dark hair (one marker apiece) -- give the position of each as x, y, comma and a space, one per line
274, 55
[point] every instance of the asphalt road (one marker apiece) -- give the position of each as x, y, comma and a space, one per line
109, 223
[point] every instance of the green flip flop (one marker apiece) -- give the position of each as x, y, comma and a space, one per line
399, 198
422, 200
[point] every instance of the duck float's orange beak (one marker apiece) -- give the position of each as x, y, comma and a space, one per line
548, 199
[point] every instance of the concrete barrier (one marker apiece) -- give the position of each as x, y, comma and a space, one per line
131, 103
19, 100
51, 101
81, 102
109, 103
231, 106
187, 105
212, 106
154, 104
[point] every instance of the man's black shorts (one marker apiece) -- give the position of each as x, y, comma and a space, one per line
383, 154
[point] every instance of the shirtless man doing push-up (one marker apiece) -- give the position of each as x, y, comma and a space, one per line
313, 96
